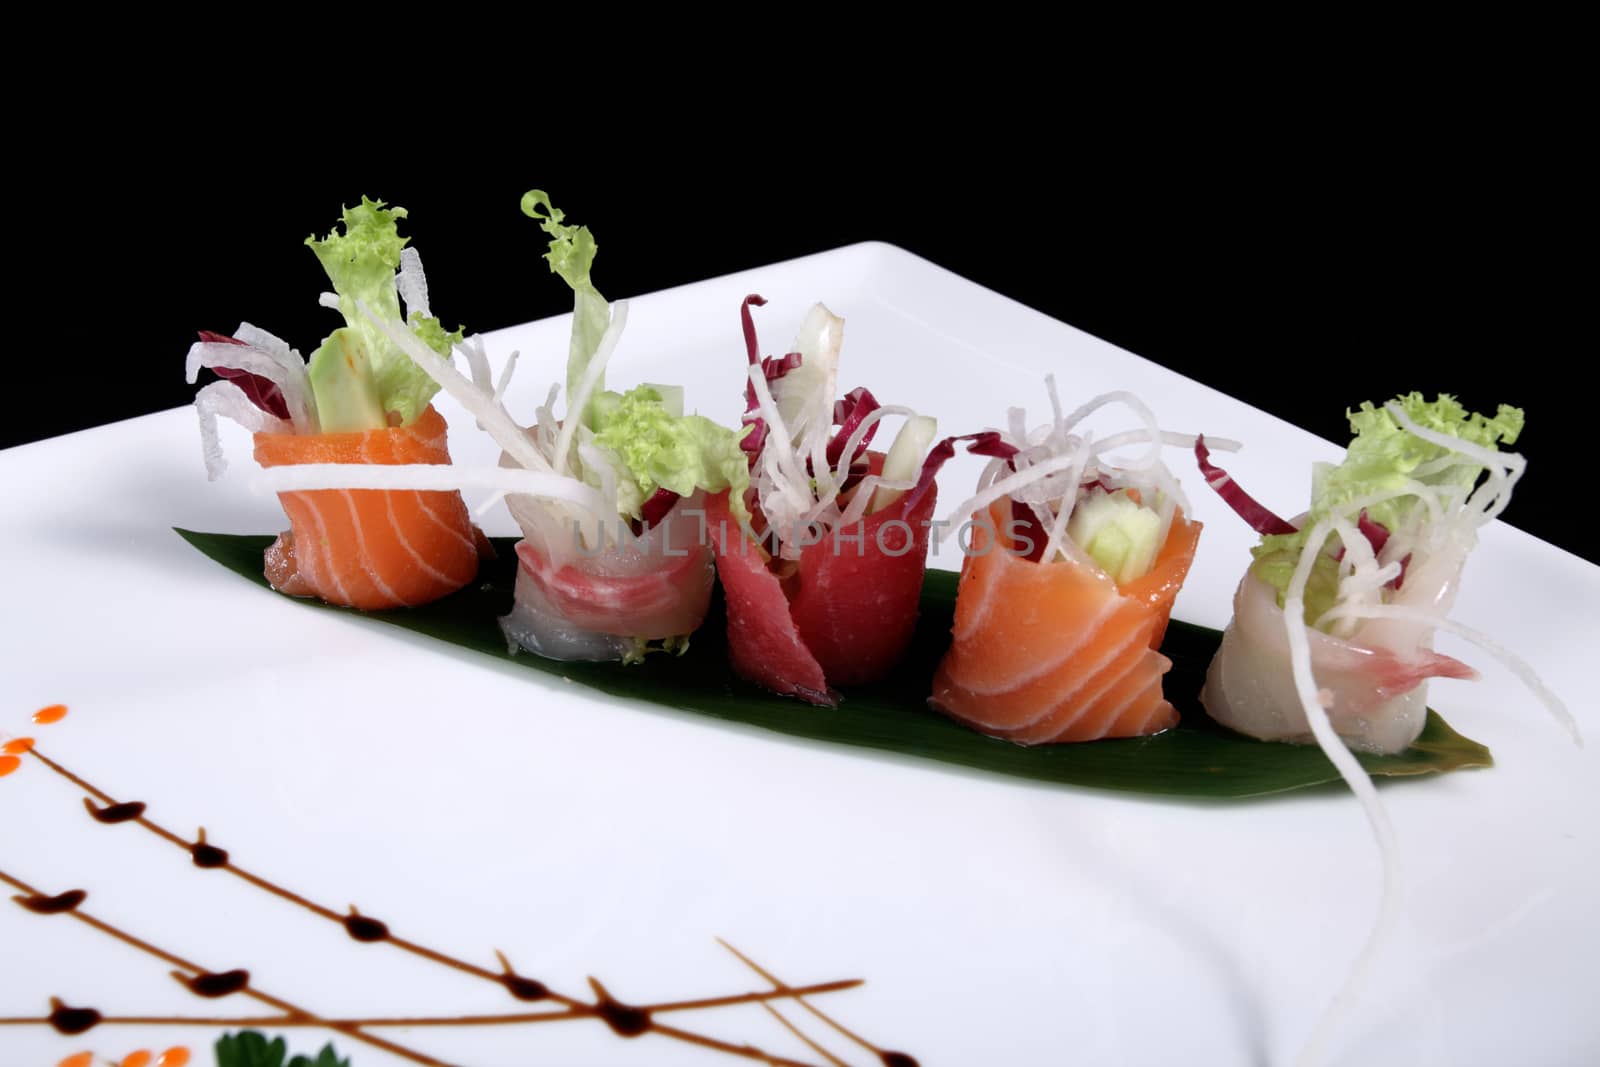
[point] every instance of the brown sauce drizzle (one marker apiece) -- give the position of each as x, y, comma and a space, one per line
72, 1021
625, 1020
207, 856
114, 813
888, 1057
365, 928
61, 902
65, 1019
525, 988
213, 985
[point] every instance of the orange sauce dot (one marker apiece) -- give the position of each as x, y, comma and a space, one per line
8, 764
54, 713
17, 746
177, 1056
78, 1059
136, 1059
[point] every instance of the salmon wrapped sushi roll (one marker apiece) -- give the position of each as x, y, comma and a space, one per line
359, 401
370, 548
1046, 652
1068, 583
823, 573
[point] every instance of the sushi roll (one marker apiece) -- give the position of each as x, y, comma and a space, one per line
1068, 581
1331, 639
1371, 571
362, 401
822, 564
617, 566
613, 563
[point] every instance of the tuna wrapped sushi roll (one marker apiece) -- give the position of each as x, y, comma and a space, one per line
823, 569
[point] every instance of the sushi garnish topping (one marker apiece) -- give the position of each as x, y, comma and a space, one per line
262, 392
614, 455
358, 379
1412, 473
359, 375
1050, 468
805, 444
1260, 518
248, 363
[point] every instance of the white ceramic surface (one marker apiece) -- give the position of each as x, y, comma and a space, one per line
477, 808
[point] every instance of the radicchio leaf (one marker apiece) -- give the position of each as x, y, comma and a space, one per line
655, 509
857, 404
987, 443
1261, 520
1025, 525
772, 368
260, 391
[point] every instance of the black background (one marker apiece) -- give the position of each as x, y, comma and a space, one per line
1302, 262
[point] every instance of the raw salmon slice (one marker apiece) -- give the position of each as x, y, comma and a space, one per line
1056, 652
368, 548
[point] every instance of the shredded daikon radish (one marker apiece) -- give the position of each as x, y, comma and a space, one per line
241, 357
226, 398
545, 422
277, 365
1504, 467
493, 417
1017, 421
1167, 437
1058, 426
505, 377
429, 477
412, 283
778, 460
1361, 785
1056, 461
1004, 487
477, 362
296, 383
1137, 406
272, 345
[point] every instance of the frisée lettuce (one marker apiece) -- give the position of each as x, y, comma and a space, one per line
1399, 482
359, 375
660, 448
639, 442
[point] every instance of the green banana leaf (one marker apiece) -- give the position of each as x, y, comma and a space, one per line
1198, 758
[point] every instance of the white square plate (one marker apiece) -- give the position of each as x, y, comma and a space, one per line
476, 808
